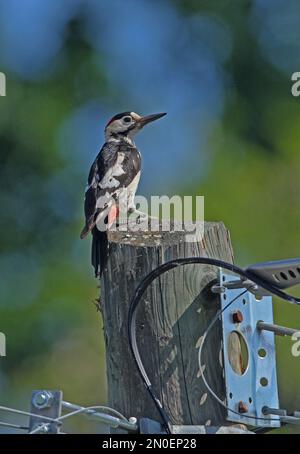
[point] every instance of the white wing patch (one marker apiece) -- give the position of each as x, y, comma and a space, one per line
123, 197
109, 180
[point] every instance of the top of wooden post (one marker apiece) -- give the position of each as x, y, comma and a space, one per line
169, 233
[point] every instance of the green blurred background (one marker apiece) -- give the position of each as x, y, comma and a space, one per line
222, 70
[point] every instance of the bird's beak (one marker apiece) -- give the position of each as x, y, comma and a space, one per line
148, 118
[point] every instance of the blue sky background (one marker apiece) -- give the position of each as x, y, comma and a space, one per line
156, 59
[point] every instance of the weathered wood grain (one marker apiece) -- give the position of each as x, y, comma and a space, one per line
170, 322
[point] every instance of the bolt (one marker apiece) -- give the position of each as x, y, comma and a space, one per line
218, 289
42, 399
242, 407
237, 317
132, 420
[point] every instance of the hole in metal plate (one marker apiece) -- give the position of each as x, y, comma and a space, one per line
238, 352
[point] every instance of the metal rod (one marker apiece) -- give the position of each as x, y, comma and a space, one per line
13, 426
26, 413
273, 411
235, 284
295, 419
41, 428
102, 417
277, 329
290, 420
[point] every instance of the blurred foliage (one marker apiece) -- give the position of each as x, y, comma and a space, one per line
241, 150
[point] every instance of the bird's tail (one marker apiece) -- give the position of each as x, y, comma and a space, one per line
99, 251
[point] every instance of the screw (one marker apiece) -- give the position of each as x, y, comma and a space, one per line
237, 317
242, 407
42, 399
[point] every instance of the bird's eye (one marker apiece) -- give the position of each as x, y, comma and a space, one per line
127, 119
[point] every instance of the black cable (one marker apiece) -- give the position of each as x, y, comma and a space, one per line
261, 282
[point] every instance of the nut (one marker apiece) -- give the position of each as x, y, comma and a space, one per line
242, 407
42, 399
237, 317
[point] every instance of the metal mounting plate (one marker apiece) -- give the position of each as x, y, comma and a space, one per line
281, 273
255, 386
45, 403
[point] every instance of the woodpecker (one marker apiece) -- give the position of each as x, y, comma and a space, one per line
114, 174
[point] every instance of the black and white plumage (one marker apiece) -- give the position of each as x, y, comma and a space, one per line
112, 180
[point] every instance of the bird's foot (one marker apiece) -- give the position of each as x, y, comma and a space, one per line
137, 215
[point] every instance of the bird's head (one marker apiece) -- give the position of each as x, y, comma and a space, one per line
127, 124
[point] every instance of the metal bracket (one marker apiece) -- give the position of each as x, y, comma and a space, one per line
240, 283
281, 273
47, 404
213, 430
249, 356
149, 426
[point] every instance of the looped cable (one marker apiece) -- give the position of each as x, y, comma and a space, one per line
144, 284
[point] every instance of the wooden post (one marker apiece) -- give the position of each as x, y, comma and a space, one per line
170, 322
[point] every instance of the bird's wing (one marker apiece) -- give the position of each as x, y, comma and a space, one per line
104, 161
114, 169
